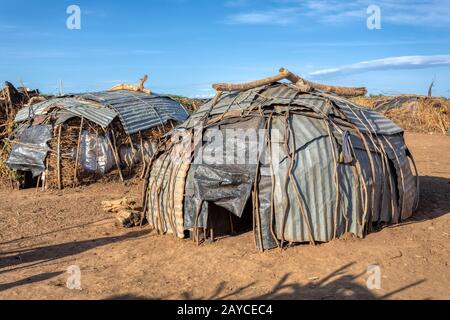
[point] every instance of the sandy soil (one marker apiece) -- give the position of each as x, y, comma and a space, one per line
42, 234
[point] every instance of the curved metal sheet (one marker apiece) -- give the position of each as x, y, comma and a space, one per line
92, 111
284, 94
139, 111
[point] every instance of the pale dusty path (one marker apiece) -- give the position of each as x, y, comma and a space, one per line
42, 234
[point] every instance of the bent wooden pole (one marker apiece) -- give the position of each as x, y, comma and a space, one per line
305, 84
228, 87
302, 85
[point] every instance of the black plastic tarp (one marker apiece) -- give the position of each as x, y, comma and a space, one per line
228, 184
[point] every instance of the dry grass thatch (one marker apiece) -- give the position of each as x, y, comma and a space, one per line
412, 113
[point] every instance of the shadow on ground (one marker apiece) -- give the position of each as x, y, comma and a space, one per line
54, 232
434, 198
338, 285
29, 280
434, 201
31, 257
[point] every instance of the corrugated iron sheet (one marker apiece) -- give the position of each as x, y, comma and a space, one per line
314, 175
138, 111
92, 111
282, 94
369, 120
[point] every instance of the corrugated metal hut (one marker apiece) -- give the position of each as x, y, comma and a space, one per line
288, 160
79, 138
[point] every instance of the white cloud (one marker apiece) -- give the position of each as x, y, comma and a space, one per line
398, 12
283, 16
403, 62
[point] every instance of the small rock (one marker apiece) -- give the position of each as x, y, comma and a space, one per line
397, 255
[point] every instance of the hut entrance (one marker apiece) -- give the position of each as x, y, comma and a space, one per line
29, 181
224, 223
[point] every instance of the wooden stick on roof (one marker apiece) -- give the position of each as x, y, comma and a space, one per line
342, 91
131, 87
302, 84
227, 87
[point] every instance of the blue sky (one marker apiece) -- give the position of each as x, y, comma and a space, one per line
186, 45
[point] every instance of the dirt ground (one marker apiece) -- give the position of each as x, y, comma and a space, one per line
42, 234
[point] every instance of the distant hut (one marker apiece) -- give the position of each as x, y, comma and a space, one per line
324, 167
75, 139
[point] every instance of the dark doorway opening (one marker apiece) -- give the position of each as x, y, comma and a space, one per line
222, 223
28, 180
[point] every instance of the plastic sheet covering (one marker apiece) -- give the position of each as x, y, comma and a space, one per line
227, 185
96, 154
31, 149
131, 156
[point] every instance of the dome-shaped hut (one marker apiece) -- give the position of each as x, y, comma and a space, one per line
80, 138
292, 161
